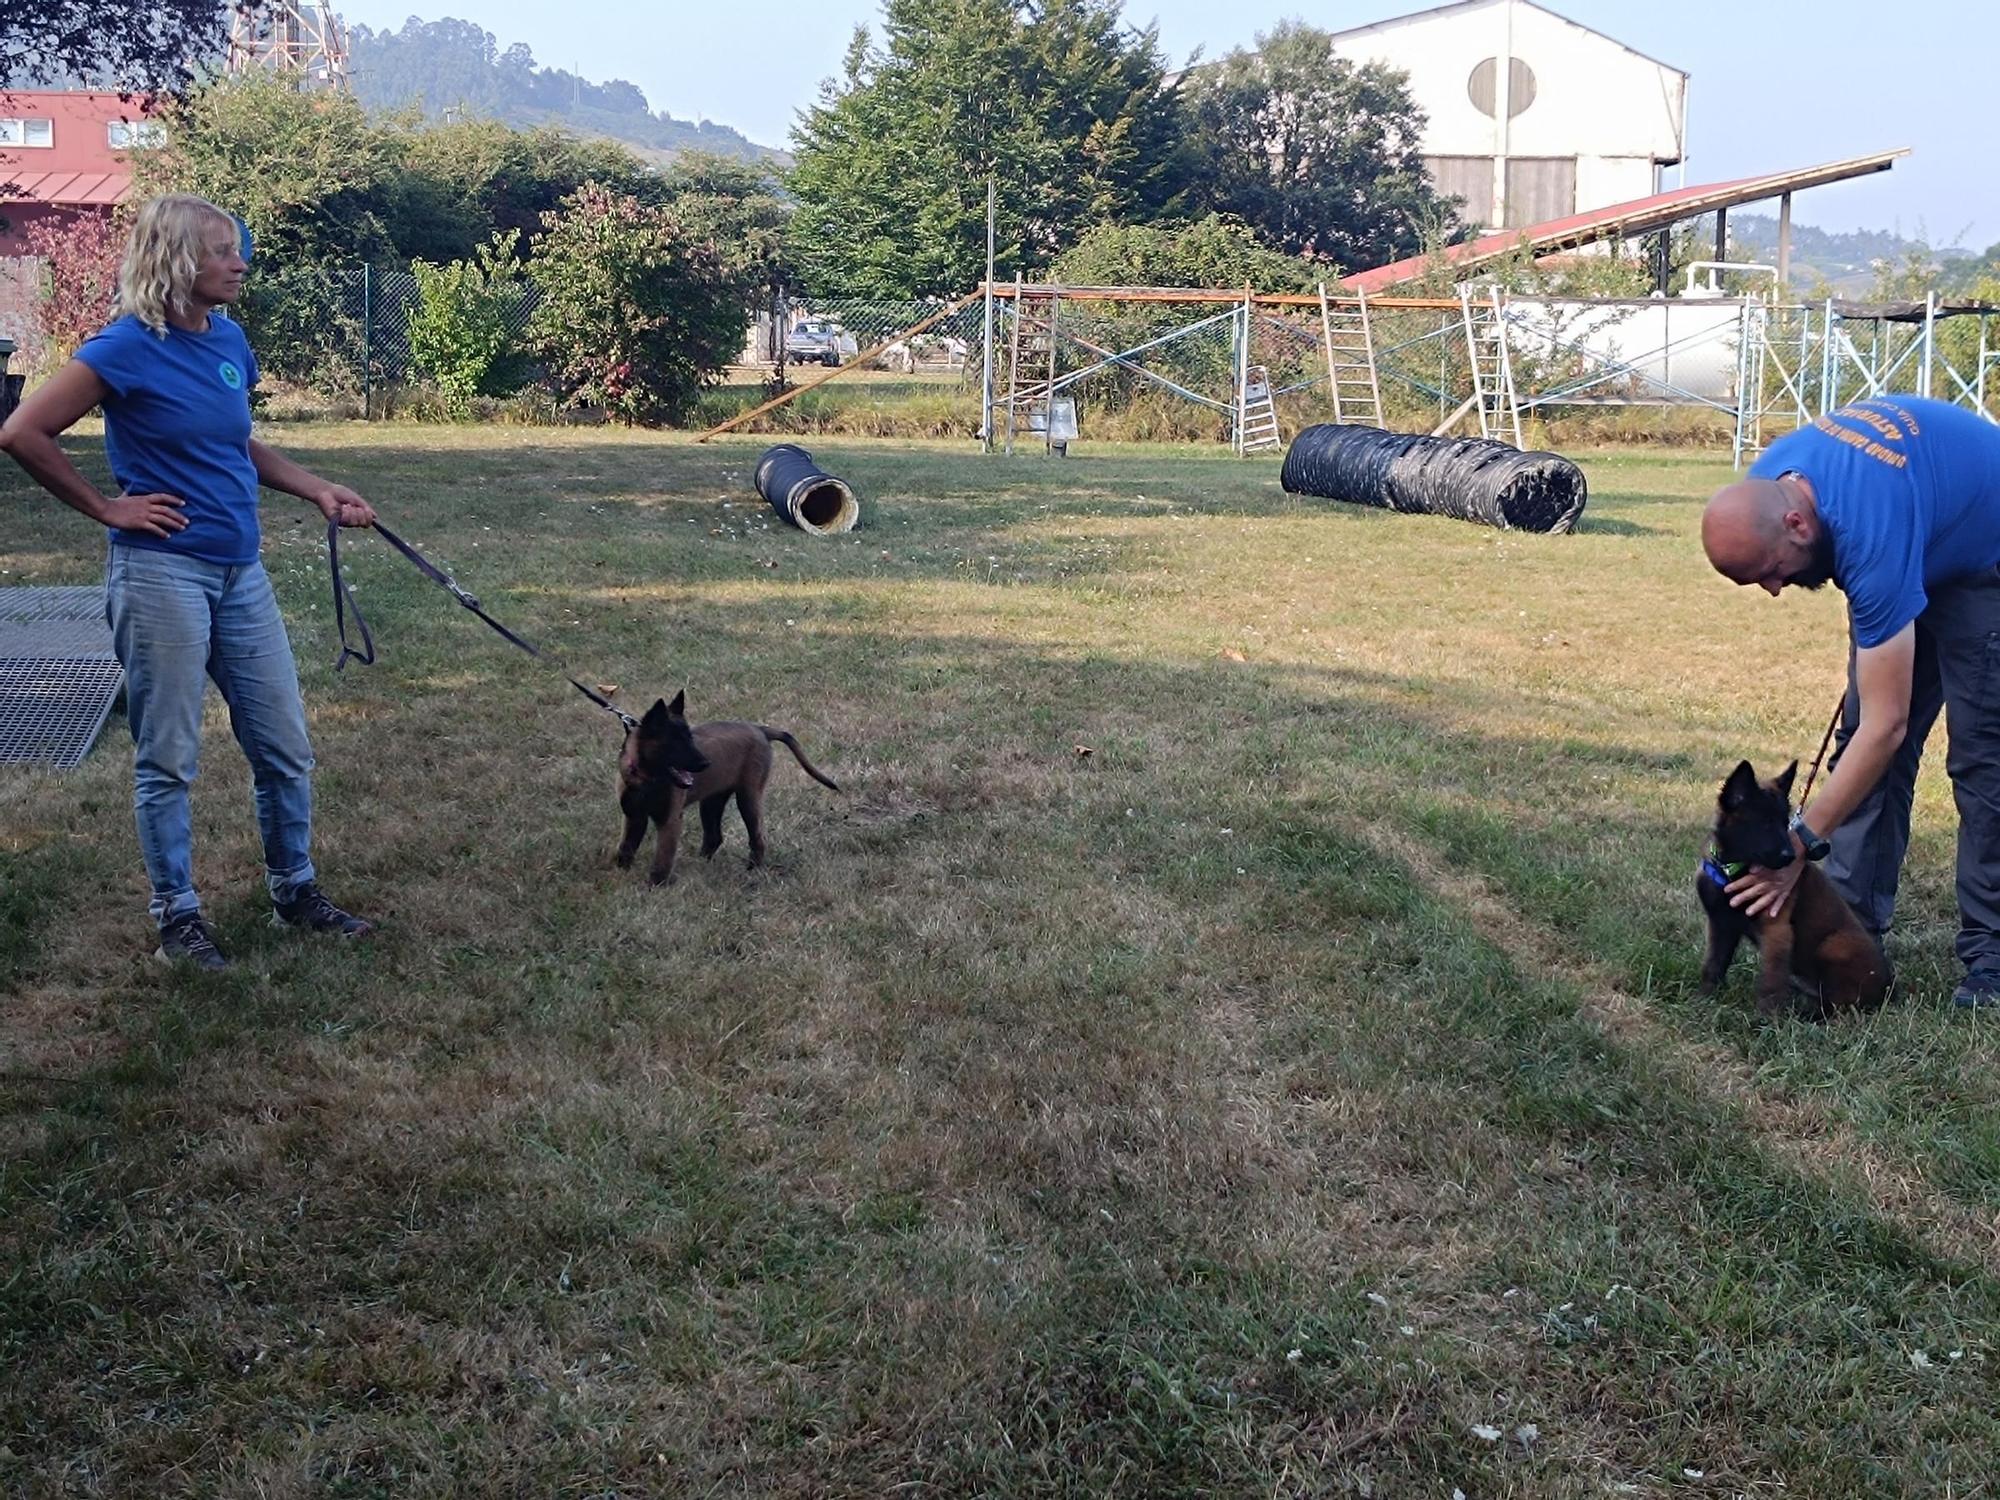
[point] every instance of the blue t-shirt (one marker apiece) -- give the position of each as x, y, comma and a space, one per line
1909, 488
177, 422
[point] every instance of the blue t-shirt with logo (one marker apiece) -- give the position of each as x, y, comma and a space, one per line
177, 422
1909, 488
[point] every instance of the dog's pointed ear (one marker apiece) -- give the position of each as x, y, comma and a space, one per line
1740, 787
1784, 779
655, 716
678, 708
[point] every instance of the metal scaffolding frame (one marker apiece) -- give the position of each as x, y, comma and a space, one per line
298, 39
1764, 366
1256, 322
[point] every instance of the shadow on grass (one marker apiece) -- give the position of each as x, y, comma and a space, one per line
232, 1243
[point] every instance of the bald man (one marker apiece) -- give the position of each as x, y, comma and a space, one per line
1896, 501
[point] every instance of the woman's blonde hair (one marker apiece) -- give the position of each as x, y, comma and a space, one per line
164, 255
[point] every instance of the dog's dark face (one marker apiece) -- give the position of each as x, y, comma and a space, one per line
662, 748
1755, 822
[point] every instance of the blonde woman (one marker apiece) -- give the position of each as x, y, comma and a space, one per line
185, 593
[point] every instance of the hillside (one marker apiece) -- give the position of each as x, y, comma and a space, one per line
1846, 260
454, 65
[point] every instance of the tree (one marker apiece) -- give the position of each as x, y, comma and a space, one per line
636, 313
734, 206
1318, 155
1212, 252
1064, 107
462, 328
459, 184
304, 168
79, 258
147, 47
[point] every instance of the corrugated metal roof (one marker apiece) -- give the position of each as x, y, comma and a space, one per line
67, 189
1622, 220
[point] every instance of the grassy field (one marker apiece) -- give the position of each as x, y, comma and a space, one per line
1301, 1093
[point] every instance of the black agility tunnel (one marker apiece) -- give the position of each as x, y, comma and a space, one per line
1469, 479
803, 493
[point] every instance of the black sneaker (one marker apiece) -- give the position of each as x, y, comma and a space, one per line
309, 909
1979, 990
189, 940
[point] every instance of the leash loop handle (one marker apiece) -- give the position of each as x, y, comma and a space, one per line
344, 601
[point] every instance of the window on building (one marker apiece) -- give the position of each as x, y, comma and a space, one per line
19, 132
127, 135
1520, 86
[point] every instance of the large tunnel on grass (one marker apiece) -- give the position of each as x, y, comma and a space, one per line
1469, 479
803, 493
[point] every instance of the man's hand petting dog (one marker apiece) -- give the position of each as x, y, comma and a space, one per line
1763, 893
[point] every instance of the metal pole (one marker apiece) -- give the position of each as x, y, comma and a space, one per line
367, 342
1930, 342
986, 339
1014, 366
1242, 367
1742, 379
1979, 393
1784, 243
1826, 360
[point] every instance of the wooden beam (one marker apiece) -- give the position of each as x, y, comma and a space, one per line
1005, 290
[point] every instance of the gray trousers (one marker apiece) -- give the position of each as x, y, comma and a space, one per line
1957, 669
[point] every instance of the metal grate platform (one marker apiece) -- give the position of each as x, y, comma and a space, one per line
58, 676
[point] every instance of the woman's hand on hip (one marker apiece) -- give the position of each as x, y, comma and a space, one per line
340, 504
155, 515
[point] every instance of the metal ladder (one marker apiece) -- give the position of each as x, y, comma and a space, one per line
1492, 371
1031, 362
1256, 416
1350, 361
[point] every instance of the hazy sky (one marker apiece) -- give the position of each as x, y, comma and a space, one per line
1774, 85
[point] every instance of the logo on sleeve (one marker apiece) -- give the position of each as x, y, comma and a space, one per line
231, 376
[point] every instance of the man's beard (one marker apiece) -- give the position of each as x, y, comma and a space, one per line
1818, 571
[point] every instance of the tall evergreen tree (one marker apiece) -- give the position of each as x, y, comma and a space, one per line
1065, 107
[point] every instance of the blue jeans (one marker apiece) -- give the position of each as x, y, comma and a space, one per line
174, 622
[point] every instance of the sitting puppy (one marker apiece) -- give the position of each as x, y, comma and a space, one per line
666, 764
1816, 938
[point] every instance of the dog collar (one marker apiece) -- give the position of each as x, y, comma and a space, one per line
1720, 873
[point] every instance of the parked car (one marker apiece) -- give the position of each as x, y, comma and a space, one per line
819, 341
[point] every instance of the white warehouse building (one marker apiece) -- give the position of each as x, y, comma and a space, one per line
1531, 117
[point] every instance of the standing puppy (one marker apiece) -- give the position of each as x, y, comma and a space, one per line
1817, 936
666, 764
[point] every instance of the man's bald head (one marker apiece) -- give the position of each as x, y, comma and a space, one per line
1740, 526
1758, 531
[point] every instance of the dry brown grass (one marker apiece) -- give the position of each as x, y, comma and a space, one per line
1038, 1123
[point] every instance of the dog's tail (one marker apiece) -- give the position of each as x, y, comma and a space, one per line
781, 737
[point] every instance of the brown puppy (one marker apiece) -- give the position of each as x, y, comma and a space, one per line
666, 764
1816, 937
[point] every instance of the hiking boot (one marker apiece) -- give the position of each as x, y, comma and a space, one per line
1979, 990
189, 940
309, 909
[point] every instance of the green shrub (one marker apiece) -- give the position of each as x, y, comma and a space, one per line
466, 326
636, 313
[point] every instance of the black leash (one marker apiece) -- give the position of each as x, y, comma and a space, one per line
344, 600
1832, 724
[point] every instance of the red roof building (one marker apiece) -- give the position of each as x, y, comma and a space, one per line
65, 153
